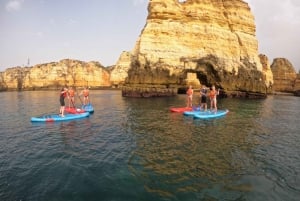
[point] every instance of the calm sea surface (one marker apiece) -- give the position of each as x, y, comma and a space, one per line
135, 149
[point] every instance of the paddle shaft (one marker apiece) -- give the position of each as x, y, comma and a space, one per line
80, 99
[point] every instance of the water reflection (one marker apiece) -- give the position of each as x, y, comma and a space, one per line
176, 154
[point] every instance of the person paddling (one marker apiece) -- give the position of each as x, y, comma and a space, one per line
63, 94
213, 98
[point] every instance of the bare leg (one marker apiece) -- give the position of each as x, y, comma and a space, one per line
216, 104
63, 111
190, 102
187, 102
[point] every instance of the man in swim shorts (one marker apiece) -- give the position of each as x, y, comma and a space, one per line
203, 98
63, 94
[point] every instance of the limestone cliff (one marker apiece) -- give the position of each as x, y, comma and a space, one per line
119, 72
54, 75
214, 39
284, 75
266, 68
297, 85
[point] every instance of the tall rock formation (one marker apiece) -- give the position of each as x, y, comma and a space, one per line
266, 68
53, 75
214, 39
284, 75
119, 72
297, 85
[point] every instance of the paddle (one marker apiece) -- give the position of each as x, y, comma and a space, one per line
219, 98
80, 99
89, 99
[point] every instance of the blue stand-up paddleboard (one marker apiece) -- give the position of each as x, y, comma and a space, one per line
193, 112
210, 114
56, 117
88, 108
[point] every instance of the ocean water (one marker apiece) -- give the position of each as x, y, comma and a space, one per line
135, 149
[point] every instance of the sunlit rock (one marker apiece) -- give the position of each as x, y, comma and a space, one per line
215, 39
55, 75
284, 75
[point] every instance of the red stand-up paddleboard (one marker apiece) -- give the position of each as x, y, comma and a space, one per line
74, 110
181, 109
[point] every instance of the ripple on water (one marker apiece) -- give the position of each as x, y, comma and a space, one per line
135, 149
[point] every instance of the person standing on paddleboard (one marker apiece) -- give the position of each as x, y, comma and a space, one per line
63, 94
85, 92
203, 98
213, 98
190, 93
71, 96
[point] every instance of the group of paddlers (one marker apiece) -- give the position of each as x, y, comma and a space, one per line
70, 94
212, 94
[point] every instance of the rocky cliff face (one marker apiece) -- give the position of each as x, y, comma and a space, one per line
214, 39
120, 70
284, 75
266, 68
297, 85
54, 75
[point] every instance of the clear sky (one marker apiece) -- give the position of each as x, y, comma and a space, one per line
42, 31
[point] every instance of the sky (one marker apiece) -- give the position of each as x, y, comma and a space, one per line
41, 31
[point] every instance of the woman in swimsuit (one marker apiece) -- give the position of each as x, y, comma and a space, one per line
189, 93
213, 98
71, 96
